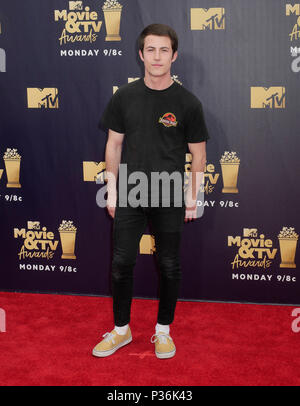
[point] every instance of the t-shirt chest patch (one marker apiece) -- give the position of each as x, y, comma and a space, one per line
168, 120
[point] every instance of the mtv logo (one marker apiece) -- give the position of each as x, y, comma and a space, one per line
115, 88
147, 244
42, 98
132, 79
94, 172
212, 18
295, 51
267, 97
250, 232
295, 9
75, 5
33, 225
2, 60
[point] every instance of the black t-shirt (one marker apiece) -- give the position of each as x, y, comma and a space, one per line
157, 125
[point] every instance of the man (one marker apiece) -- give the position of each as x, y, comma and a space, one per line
157, 119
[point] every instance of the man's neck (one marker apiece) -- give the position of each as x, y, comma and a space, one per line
158, 83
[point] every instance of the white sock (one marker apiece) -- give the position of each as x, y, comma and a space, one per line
121, 330
162, 328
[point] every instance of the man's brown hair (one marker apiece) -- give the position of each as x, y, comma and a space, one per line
161, 30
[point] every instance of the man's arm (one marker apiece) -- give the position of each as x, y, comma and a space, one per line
112, 160
196, 176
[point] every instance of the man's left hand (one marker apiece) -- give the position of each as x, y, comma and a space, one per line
190, 212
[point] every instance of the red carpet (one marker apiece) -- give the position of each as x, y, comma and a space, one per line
49, 339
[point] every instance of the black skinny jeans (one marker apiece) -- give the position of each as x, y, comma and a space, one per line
128, 228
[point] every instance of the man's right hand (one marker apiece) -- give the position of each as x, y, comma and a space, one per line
111, 203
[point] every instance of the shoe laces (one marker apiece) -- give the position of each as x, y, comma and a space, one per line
109, 337
161, 337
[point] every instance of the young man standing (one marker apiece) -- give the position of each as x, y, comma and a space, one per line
157, 118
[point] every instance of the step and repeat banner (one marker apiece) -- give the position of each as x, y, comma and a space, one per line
60, 63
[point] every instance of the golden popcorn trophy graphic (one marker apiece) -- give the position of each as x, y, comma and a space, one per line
230, 169
187, 169
288, 243
175, 78
67, 232
12, 162
112, 15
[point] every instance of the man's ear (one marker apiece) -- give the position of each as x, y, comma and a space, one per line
174, 56
141, 55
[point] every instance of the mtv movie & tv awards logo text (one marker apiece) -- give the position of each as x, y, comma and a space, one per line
40, 243
293, 12
255, 252
81, 24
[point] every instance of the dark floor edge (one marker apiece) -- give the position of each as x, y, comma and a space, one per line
149, 298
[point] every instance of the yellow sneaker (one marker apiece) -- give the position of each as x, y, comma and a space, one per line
111, 343
164, 345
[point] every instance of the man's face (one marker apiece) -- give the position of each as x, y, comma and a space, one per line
157, 56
